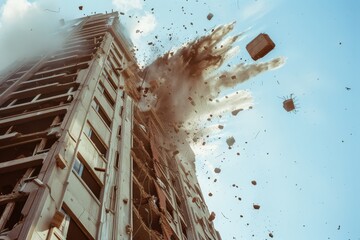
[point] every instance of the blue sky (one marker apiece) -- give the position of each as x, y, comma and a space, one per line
306, 164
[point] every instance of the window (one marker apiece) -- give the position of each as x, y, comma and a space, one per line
86, 175
110, 79
98, 108
113, 198
105, 93
71, 229
97, 142
116, 165
11, 214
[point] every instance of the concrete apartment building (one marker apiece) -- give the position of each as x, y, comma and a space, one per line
78, 160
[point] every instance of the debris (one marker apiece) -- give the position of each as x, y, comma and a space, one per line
289, 105
217, 170
338, 227
210, 16
260, 46
221, 127
347, 88
230, 141
121, 13
256, 206
253, 182
80, 7
271, 235
235, 112
212, 216
224, 215
210, 194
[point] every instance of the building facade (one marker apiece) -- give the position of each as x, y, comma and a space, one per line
78, 160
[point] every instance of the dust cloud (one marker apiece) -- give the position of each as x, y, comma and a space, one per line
27, 29
184, 86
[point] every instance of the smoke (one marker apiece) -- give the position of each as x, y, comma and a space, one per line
183, 86
27, 29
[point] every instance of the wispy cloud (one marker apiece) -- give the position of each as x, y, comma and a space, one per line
26, 29
144, 26
127, 5
255, 10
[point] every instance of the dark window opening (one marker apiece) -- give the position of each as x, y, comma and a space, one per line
16, 215
56, 93
6, 103
117, 160
119, 133
170, 209
71, 69
18, 151
9, 180
4, 130
83, 171
49, 143
106, 94
74, 231
102, 113
31, 127
97, 142
111, 80
23, 100
42, 106
183, 229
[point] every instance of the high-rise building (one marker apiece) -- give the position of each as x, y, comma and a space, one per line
79, 160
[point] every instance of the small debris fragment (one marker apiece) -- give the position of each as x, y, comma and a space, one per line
256, 206
289, 105
347, 88
210, 194
271, 235
338, 227
230, 141
221, 127
80, 7
217, 170
210, 16
212, 216
235, 112
253, 182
